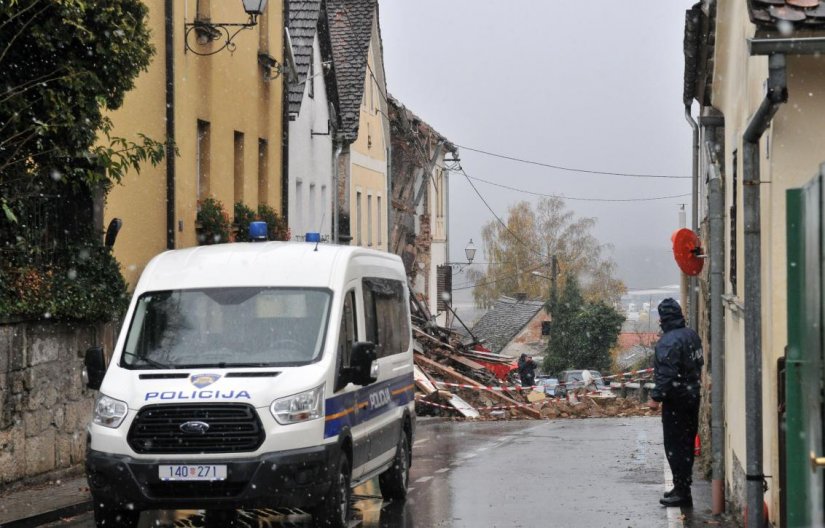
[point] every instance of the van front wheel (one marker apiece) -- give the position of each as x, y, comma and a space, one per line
393, 482
333, 512
107, 516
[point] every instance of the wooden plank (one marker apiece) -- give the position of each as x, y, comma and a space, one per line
457, 376
469, 363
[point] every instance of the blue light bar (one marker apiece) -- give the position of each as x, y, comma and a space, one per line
257, 231
313, 237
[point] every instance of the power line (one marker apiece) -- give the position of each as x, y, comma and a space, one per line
543, 265
572, 169
500, 221
580, 199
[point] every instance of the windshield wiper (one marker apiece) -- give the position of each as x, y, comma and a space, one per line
151, 362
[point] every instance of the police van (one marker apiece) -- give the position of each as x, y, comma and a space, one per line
255, 375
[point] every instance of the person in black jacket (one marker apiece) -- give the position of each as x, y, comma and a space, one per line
527, 370
677, 366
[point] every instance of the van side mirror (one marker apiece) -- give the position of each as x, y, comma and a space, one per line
363, 368
94, 367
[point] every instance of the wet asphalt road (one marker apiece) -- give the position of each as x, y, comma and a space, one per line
563, 473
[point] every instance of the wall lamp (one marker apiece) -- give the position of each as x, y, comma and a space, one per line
207, 31
469, 252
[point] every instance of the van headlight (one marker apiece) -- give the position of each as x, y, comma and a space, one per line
109, 412
300, 407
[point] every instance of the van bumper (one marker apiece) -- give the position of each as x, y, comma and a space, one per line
298, 478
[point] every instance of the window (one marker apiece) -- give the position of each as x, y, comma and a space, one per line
369, 220
378, 215
312, 220
263, 171
202, 155
444, 287
210, 327
325, 208
545, 328
238, 166
347, 336
311, 78
358, 218
386, 316
299, 205
732, 216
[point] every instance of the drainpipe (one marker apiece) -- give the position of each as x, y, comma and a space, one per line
169, 49
777, 94
716, 208
693, 294
338, 145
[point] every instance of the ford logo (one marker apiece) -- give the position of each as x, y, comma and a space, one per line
199, 428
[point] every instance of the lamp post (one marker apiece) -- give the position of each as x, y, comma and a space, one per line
469, 252
207, 31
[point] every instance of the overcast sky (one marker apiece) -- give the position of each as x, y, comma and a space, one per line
593, 85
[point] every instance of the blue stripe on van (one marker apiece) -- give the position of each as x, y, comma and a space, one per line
353, 408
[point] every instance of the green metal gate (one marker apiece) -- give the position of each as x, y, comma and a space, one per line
804, 446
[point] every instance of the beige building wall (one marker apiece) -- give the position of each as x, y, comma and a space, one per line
368, 190
791, 151
241, 153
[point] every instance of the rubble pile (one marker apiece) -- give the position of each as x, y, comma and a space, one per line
456, 377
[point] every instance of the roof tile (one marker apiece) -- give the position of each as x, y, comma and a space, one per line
501, 323
766, 14
303, 22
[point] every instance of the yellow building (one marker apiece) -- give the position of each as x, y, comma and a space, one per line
758, 78
223, 112
363, 175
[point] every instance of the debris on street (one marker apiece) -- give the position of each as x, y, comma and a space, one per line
456, 376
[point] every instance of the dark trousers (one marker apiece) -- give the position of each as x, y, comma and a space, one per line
680, 421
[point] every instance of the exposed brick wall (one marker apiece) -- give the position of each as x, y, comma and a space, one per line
44, 405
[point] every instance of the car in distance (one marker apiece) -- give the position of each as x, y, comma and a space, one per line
550, 385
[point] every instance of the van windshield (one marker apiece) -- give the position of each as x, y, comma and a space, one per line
227, 327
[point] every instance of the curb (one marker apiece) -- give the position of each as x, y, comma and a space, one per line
49, 516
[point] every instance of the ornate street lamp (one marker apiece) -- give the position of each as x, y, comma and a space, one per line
469, 252
207, 31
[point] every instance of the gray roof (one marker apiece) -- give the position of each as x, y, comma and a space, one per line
350, 27
504, 321
303, 23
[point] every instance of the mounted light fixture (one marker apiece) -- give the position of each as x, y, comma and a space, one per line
469, 252
207, 32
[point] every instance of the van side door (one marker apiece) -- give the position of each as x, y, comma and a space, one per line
343, 409
386, 322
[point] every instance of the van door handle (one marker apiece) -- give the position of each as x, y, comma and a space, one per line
816, 462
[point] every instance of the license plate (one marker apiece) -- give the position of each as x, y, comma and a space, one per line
192, 472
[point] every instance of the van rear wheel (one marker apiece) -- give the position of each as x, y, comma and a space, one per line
333, 512
393, 482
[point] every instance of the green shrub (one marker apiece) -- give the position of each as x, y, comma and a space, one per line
213, 222
82, 283
244, 216
276, 225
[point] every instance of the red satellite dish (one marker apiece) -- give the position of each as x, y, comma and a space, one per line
687, 250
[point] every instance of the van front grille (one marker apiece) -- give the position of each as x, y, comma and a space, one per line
232, 428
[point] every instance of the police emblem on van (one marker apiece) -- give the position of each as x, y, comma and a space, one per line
203, 380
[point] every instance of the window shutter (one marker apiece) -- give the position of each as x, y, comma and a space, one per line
444, 285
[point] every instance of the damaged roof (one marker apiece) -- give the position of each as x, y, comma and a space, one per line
803, 14
350, 27
416, 123
504, 321
303, 24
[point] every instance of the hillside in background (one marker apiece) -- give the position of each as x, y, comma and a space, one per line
644, 267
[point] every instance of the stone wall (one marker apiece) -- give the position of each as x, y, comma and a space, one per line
44, 405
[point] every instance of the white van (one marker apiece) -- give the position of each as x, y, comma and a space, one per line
255, 375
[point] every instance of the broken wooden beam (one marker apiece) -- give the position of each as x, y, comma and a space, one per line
461, 378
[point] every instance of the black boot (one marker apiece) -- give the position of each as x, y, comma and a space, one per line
677, 497
669, 492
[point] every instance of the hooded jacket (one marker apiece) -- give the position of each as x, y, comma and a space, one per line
678, 359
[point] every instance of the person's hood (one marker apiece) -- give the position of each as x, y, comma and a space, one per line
670, 315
